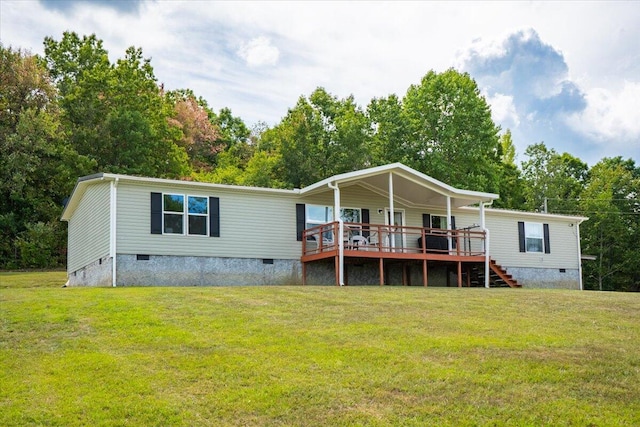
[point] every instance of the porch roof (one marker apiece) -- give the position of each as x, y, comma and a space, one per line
410, 187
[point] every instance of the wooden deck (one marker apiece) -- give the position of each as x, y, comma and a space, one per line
383, 243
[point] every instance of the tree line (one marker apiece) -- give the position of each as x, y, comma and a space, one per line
73, 112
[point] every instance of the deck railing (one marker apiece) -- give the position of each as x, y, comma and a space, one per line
393, 239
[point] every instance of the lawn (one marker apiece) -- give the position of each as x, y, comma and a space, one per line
294, 356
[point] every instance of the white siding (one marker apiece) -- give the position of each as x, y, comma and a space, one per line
505, 247
252, 224
89, 228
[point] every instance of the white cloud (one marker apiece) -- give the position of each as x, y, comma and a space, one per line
503, 110
610, 115
258, 52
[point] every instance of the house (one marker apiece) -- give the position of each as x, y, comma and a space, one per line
383, 225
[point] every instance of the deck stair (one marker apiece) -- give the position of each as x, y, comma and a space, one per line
499, 278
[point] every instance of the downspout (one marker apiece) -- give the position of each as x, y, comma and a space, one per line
449, 245
336, 217
487, 255
579, 256
391, 219
112, 233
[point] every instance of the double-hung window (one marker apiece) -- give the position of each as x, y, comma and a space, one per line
178, 216
534, 237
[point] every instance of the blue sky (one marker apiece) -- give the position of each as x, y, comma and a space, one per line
566, 73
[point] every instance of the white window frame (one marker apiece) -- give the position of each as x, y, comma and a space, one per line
186, 214
530, 233
309, 223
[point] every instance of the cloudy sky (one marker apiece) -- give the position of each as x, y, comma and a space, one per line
567, 73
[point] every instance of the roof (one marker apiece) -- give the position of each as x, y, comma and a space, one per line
85, 181
411, 187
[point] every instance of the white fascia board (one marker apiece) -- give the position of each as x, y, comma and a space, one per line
534, 215
407, 173
85, 181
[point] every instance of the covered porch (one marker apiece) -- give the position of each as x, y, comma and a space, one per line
343, 242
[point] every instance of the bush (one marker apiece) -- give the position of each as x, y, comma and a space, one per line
41, 245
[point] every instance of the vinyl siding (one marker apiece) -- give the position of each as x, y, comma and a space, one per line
505, 248
89, 228
252, 224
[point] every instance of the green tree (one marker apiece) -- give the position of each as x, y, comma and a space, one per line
511, 185
115, 113
38, 167
451, 133
391, 136
552, 180
611, 201
321, 136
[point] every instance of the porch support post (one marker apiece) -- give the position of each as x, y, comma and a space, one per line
338, 236
486, 245
449, 223
392, 240
459, 274
424, 272
381, 271
304, 273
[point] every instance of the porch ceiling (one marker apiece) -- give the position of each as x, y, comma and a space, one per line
410, 187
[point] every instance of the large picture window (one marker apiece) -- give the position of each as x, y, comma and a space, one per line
534, 237
179, 216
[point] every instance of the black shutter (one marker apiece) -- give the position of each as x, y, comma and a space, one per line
426, 220
214, 217
156, 213
547, 248
523, 246
365, 220
300, 221
453, 227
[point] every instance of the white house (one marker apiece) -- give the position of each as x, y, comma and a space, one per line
384, 225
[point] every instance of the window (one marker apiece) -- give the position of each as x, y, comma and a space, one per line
533, 234
175, 210
439, 222
318, 215
173, 214
198, 215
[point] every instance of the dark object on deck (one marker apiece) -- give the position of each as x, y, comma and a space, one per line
435, 244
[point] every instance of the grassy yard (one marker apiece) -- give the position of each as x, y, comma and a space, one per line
315, 356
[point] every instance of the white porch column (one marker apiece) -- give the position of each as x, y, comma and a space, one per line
486, 245
339, 238
392, 240
449, 223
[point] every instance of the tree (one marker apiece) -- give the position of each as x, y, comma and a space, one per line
611, 201
511, 185
552, 180
38, 167
321, 136
201, 138
451, 133
116, 113
390, 140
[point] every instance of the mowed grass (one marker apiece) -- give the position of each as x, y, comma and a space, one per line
306, 356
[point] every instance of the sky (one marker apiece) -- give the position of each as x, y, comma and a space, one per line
563, 73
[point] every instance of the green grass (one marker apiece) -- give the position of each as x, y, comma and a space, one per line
316, 356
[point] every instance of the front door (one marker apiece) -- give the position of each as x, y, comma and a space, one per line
397, 237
